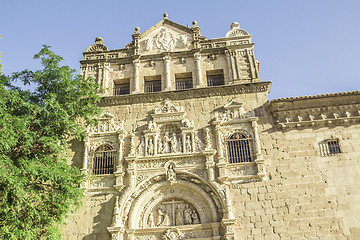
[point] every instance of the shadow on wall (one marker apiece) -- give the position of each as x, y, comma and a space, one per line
102, 218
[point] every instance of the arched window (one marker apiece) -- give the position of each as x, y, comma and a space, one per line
239, 148
104, 160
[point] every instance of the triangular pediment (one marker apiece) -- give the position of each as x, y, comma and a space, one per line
165, 36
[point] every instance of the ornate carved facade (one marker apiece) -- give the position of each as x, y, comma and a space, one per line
189, 147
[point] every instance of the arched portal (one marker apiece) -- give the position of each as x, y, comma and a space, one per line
188, 204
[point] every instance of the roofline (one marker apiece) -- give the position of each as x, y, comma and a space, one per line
290, 99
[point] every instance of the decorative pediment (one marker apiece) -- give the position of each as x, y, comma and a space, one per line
236, 31
168, 112
98, 46
106, 124
232, 111
165, 36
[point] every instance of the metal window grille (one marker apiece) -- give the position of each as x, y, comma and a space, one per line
153, 86
183, 83
104, 160
121, 89
333, 146
215, 80
239, 148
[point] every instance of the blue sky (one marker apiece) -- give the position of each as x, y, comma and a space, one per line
305, 47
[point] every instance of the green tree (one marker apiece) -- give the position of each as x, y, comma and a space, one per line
37, 185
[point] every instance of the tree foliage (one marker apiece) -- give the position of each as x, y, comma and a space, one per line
37, 185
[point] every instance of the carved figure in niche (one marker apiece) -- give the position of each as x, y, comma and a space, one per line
179, 216
348, 114
141, 147
173, 143
150, 147
188, 143
323, 116
151, 221
195, 218
170, 174
179, 145
160, 148
166, 142
335, 115
311, 117
199, 144
187, 215
164, 40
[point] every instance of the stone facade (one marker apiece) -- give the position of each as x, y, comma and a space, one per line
196, 151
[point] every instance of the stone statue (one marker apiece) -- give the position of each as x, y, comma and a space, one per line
195, 218
151, 221
167, 220
170, 174
160, 217
150, 147
179, 216
188, 144
166, 143
173, 143
187, 215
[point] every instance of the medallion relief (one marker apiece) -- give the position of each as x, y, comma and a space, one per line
164, 41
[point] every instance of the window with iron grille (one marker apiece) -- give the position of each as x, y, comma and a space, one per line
104, 160
183, 81
152, 84
121, 89
333, 146
215, 78
239, 148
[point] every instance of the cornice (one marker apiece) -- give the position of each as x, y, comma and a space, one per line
331, 109
223, 90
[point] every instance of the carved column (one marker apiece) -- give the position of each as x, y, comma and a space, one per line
106, 76
86, 153
219, 143
193, 141
260, 162
251, 63
119, 174
255, 129
231, 73
167, 73
197, 57
136, 65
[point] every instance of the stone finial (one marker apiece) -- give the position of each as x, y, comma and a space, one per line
165, 15
99, 40
234, 25
194, 24
137, 30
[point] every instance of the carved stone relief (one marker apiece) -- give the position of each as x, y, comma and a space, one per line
165, 40
174, 212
